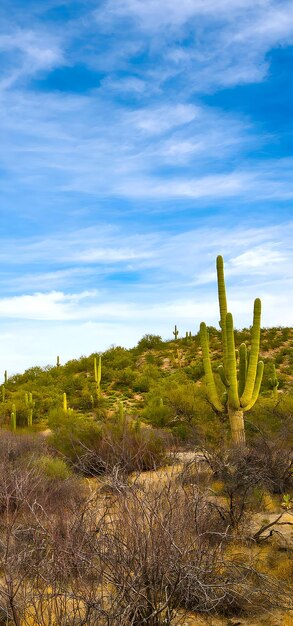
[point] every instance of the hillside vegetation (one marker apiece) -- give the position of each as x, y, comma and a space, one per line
159, 382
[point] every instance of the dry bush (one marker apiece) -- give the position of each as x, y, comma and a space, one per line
130, 557
18, 448
98, 448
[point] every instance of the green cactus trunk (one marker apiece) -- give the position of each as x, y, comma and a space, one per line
175, 332
98, 375
241, 395
65, 408
236, 419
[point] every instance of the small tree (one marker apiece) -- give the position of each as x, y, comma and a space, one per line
242, 392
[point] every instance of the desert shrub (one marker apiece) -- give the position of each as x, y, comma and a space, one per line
125, 377
195, 372
138, 556
176, 401
117, 358
149, 342
248, 476
147, 376
271, 418
96, 447
17, 448
75, 436
52, 467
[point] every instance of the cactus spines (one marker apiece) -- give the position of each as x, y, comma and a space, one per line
65, 408
240, 395
5, 377
58, 362
175, 332
98, 374
13, 418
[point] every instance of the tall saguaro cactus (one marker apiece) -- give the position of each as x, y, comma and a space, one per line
175, 332
98, 374
241, 391
30, 407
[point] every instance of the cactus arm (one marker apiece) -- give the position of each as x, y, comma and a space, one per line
211, 386
242, 368
222, 305
231, 364
224, 398
258, 379
222, 374
254, 352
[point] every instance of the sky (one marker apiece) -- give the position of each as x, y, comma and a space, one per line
139, 140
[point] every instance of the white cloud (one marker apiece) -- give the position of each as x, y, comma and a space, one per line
228, 40
32, 52
164, 118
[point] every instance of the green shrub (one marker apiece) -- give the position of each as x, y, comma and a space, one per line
52, 467
74, 435
150, 342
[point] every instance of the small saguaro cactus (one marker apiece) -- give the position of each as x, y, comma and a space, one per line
65, 408
175, 332
13, 418
5, 377
30, 406
241, 393
274, 383
98, 374
58, 361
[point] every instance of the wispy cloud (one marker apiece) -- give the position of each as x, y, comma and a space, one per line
132, 154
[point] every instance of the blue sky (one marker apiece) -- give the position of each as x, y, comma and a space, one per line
141, 138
